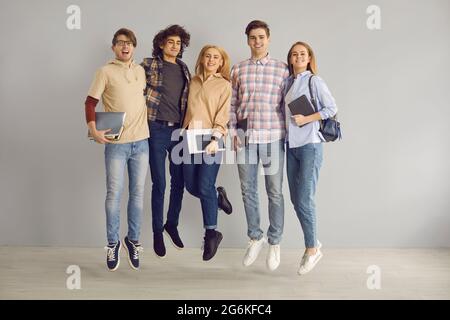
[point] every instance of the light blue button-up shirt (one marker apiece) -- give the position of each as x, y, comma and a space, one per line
295, 87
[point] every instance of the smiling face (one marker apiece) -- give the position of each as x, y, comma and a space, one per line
123, 48
171, 48
212, 61
299, 58
258, 41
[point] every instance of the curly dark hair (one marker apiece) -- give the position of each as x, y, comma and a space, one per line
173, 30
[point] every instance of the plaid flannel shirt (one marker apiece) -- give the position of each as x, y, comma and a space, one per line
258, 96
153, 71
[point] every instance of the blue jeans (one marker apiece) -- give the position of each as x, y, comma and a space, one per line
200, 178
160, 146
134, 155
303, 166
272, 157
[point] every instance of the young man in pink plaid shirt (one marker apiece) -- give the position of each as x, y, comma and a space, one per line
258, 85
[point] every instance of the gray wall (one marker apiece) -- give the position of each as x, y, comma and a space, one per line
386, 184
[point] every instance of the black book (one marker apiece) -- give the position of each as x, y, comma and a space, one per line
241, 126
302, 106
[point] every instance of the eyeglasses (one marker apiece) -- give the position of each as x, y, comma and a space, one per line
122, 43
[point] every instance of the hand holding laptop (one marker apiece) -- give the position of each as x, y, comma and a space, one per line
108, 127
99, 135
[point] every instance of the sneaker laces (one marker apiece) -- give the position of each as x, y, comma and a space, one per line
136, 250
110, 253
276, 251
251, 242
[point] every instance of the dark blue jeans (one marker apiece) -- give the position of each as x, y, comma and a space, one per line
200, 178
160, 146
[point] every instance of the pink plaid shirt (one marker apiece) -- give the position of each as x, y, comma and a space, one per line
257, 96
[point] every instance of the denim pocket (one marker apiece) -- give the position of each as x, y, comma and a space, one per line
142, 146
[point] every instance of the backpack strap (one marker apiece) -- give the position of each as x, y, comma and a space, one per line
313, 99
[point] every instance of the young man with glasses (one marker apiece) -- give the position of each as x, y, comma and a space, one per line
257, 98
120, 84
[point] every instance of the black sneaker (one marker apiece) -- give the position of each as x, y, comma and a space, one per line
133, 250
158, 245
172, 232
211, 244
223, 201
113, 256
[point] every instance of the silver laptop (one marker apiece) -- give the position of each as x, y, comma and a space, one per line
110, 120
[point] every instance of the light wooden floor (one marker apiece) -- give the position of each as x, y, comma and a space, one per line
40, 273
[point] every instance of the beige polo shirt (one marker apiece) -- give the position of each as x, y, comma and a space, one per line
121, 88
209, 104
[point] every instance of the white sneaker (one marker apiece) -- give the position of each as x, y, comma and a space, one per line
253, 249
309, 262
273, 258
319, 245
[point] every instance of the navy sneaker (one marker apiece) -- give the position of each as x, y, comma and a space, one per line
212, 240
113, 256
223, 202
172, 232
133, 250
158, 245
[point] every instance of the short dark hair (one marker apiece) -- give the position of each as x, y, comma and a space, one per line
161, 38
127, 33
256, 24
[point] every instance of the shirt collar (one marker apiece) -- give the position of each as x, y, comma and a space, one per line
262, 61
215, 75
302, 74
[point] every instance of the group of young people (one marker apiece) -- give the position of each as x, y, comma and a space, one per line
162, 101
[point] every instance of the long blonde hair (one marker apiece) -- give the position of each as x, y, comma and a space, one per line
224, 70
312, 66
